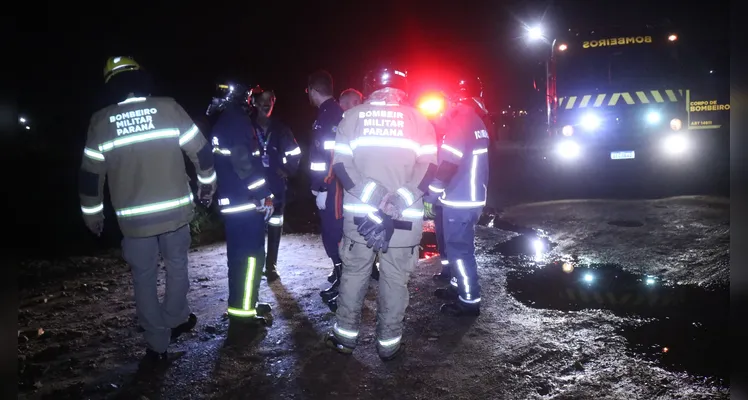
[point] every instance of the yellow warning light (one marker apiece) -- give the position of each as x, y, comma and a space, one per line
672, 37
562, 47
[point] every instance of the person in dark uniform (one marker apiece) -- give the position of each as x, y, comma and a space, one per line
280, 156
460, 186
324, 186
245, 201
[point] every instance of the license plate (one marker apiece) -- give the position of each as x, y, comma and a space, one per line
622, 155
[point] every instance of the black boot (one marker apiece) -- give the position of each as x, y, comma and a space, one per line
271, 260
333, 304
332, 342
333, 274
448, 293
332, 292
263, 309
445, 275
460, 309
184, 327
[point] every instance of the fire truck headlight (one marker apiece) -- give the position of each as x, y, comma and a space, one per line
676, 144
653, 117
568, 149
567, 130
590, 121
676, 124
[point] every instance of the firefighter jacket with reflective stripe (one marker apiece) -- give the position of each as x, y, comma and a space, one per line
323, 144
138, 144
385, 148
242, 184
465, 145
279, 151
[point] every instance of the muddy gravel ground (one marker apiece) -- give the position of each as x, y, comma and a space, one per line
78, 336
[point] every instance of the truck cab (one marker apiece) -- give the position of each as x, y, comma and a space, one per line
623, 96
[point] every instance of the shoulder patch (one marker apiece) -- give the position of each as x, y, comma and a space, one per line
334, 128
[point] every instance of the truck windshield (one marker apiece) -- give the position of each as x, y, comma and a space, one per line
616, 68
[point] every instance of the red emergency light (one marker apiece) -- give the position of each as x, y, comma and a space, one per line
431, 105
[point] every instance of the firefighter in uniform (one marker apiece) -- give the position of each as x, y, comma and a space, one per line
460, 185
324, 185
280, 156
244, 198
138, 143
385, 157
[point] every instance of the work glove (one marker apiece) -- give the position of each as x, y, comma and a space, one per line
428, 210
321, 200
205, 194
394, 204
266, 206
432, 195
95, 224
377, 229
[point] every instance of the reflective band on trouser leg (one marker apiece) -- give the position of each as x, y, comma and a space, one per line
467, 283
395, 267
248, 296
357, 261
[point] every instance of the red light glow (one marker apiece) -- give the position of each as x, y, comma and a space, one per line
431, 105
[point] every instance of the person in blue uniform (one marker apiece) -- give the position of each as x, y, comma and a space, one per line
324, 186
280, 156
244, 199
460, 186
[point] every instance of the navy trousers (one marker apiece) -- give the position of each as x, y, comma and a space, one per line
245, 250
459, 235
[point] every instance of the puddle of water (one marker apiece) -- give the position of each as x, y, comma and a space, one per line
684, 327
525, 245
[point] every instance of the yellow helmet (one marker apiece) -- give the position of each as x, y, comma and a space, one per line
115, 65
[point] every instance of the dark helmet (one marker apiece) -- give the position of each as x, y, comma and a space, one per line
385, 77
469, 91
229, 94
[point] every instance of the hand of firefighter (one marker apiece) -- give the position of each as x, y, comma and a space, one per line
436, 188
95, 224
394, 205
377, 229
322, 200
205, 194
267, 208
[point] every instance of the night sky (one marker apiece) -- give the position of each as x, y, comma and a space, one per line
191, 46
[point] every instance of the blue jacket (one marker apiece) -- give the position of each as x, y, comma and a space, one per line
241, 177
463, 159
278, 151
323, 145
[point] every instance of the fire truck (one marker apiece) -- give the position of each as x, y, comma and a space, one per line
629, 96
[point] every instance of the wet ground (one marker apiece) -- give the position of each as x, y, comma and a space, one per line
582, 300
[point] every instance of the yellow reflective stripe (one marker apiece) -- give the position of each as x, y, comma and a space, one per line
242, 313
642, 97
570, 104
599, 100
631, 98
248, 285
657, 96
614, 99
